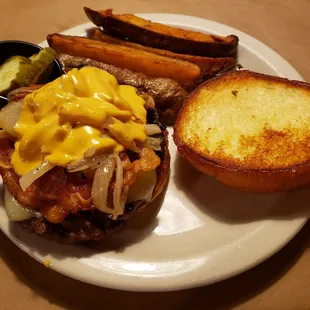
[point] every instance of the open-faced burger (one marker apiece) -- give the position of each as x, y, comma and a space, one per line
80, 155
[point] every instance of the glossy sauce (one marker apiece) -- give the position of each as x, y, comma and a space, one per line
83, 110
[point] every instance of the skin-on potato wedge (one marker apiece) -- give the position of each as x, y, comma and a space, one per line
209, 66
167, 94
157, 35
185, 73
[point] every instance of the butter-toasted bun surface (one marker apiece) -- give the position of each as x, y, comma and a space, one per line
251, 131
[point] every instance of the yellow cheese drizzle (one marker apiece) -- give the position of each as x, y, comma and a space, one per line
84, 109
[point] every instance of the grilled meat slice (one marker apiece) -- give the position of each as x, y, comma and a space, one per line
167, 94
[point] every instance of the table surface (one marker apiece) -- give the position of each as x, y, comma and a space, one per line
282, 282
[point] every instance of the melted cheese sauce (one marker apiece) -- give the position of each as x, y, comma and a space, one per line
83, 110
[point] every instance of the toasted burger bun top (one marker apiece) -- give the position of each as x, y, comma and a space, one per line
249, 130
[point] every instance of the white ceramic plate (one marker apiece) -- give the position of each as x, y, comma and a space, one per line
204, 232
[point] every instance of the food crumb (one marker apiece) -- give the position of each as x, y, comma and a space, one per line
234, 92
47, 262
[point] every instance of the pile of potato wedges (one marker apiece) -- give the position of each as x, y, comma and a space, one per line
164, 62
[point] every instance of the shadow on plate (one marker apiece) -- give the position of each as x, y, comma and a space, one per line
71, 294
228, 205
134, 230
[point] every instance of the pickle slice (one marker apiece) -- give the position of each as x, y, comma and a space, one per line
40, 63
12, 72
19, 71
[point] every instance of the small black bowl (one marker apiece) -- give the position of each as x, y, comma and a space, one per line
11, 48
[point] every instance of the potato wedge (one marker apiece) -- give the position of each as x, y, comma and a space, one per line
151, 64
209, 66
157, 35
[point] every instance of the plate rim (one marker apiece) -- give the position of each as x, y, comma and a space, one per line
139, 285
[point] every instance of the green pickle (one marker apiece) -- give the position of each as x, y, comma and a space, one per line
19, 71
40, 63
12, 72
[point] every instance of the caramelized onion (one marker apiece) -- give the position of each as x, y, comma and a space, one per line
152, 129
9, 116
153, 143
26, 180
5, 135
90, 152
109, 121
91, 162
134, 147
101, 183
15, 211
143, 187
118, 206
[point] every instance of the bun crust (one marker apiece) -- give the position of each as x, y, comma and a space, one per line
249, 130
